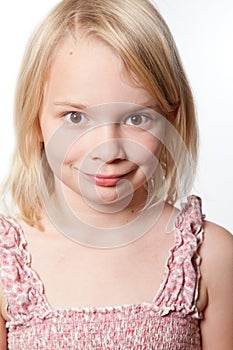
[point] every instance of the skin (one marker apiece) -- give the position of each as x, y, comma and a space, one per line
77, 82
83, 74
216, 270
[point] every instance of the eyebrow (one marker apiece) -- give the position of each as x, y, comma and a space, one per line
71, 104
82, 106
149, 105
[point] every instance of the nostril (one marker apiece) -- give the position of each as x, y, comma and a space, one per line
115, 160
109, 152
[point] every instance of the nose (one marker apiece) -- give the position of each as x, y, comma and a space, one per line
109, 144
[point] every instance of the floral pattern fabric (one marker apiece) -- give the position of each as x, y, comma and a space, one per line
170, 321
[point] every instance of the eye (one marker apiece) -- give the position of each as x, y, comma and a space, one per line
75, 118
137, 120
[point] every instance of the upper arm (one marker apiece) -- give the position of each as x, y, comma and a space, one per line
217, 273
3, 333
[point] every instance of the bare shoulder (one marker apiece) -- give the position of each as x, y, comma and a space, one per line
217, 277
216, 252
217, 232
218, 243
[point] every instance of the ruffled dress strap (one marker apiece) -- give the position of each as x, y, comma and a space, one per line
22, 287
179, 290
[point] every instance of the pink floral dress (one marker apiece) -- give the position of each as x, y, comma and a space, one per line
170, 321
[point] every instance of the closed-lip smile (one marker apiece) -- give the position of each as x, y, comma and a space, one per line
106, 180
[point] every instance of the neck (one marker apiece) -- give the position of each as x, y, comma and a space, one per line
107, 215
71, 215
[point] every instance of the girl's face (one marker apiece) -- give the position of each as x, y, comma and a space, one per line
101, 132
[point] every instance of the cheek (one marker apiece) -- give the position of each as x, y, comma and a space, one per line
54, 156
154, 146
145, 154
48, 128
144, 150
60, 152
76, 152
63, 145
149, 143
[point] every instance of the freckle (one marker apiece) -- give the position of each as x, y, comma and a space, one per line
71, 53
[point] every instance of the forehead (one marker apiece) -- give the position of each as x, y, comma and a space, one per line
88, 71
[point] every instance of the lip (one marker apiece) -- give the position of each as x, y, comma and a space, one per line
106, 180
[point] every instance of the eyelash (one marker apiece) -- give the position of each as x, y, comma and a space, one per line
144, 119
69, 115
82, 119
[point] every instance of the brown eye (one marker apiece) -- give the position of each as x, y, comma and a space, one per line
137, 120
75, 118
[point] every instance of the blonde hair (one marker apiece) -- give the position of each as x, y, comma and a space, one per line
137, 32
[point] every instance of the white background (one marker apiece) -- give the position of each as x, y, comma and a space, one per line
203, 31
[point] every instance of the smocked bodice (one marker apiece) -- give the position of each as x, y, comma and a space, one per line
170, 321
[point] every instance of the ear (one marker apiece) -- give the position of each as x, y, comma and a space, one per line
175, 114
176, 111
40, 135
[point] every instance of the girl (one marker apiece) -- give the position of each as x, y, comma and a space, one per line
97, 256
